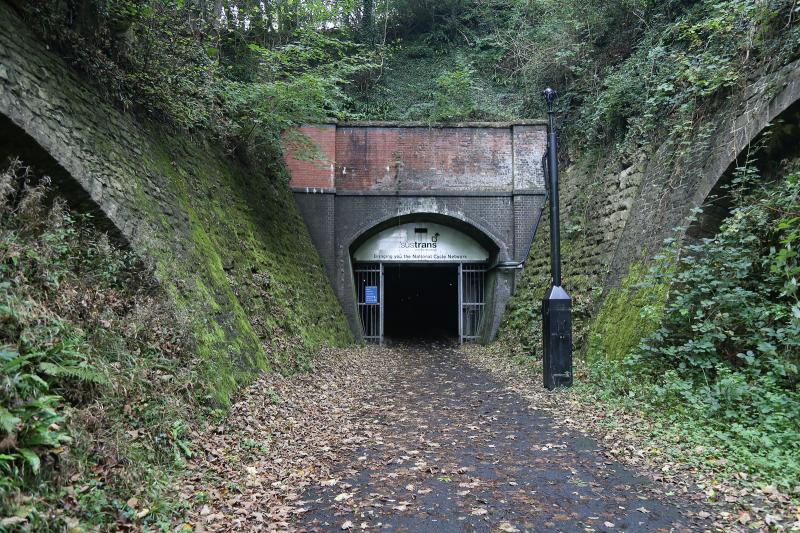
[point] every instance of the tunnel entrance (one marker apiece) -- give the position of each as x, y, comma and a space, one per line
421, 301
420, 280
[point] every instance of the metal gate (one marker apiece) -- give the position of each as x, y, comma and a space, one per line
369, 291
471, 300
368, 279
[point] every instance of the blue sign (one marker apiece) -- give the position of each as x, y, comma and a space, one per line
371, 294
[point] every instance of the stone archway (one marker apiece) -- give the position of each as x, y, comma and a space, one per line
764, 101
778, 141
16, 143
674, 184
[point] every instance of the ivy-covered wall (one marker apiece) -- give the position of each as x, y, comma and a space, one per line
226, 239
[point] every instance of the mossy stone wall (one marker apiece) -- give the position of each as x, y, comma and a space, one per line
618, 209
226, 240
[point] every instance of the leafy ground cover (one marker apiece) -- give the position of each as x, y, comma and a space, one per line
695, 358
97, 388
720, 355
284, 435
415, 438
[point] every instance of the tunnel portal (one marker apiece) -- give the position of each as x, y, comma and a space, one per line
480, 186
420, 280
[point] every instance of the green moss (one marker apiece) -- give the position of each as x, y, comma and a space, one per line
627, 315
236, 258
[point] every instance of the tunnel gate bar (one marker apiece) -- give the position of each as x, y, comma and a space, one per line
471, 300
369, 284
369, 287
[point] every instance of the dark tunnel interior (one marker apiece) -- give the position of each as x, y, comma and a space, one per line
421, 301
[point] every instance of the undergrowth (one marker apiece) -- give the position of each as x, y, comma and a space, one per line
723, 364
97, 389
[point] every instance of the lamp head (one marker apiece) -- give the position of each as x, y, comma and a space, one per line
549, 96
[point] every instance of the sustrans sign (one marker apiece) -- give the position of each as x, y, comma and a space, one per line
421, 243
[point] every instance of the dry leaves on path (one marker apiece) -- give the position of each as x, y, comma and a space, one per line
283, 435
627, 437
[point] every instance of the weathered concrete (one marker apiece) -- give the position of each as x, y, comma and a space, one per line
483, 178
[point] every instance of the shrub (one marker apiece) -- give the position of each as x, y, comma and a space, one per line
726, 353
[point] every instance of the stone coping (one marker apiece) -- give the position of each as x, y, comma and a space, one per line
422, 124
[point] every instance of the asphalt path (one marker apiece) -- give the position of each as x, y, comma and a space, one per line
459, 452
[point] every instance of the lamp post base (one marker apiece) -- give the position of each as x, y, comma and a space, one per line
557, 337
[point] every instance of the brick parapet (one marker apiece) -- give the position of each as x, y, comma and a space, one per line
310, 155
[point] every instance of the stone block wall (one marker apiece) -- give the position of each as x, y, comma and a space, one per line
678, 179
618, 210
227, 242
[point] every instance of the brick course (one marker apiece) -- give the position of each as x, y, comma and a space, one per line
485, 179
307, 171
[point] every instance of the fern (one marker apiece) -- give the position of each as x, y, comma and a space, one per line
30, 457
78, 373
8, 422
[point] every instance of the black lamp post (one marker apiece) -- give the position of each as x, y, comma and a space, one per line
557, 305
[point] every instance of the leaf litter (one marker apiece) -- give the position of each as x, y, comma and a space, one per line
727, 502
408, 438
417, 437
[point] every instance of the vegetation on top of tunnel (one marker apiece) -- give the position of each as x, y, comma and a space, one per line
628, 71
633, 76
238, 71
98, 376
